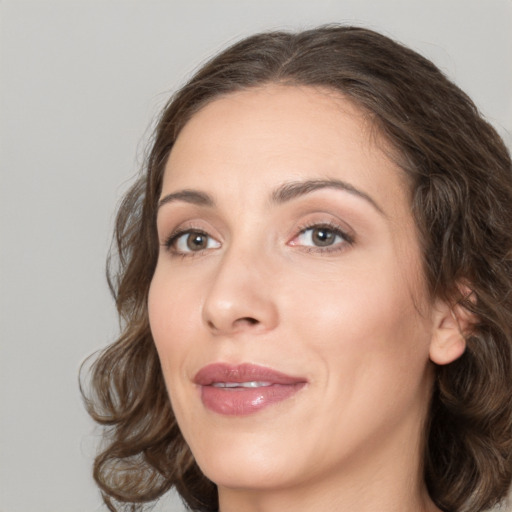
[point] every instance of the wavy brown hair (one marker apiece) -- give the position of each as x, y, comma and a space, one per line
460, 177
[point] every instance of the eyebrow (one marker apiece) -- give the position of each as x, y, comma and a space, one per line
290, 191
188, 196
282, 194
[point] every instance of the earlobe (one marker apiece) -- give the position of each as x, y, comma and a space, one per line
451, 326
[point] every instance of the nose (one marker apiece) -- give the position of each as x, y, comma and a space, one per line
240, 297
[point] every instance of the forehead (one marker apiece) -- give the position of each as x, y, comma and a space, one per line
268, 135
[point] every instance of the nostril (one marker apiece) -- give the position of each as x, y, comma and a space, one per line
249, 320
246, 321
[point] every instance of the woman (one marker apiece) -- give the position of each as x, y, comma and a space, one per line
314, 277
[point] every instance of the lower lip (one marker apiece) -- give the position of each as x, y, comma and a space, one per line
243, 401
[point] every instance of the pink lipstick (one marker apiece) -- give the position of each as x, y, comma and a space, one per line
238, 390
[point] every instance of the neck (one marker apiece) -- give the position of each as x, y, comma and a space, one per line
385, 476
298, 500
379, 492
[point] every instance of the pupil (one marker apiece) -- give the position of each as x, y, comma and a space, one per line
323, 237
196, 241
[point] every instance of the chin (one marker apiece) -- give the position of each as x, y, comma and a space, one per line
247, 476
245, 461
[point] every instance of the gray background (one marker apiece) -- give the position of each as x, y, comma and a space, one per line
81, 82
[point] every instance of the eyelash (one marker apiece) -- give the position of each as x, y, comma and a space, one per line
171, 240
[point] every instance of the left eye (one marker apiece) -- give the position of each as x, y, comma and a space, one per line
193, 241
320, 236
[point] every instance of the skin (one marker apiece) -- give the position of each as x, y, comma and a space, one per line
353, 318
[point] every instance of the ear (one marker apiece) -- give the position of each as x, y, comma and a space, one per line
452, 324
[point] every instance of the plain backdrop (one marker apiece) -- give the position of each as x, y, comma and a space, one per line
80, 83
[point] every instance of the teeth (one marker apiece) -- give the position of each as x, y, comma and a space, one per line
251, 384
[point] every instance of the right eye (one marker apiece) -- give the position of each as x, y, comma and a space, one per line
191, 241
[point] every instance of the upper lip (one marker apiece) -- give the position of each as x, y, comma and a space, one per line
246, 372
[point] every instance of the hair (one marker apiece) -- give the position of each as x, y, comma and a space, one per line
460, 177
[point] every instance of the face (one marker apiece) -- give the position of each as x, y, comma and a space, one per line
288, 306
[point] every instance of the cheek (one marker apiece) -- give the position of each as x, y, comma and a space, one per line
171, 307
169, 313
364, 324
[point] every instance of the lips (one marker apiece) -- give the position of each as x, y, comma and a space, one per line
238, 390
